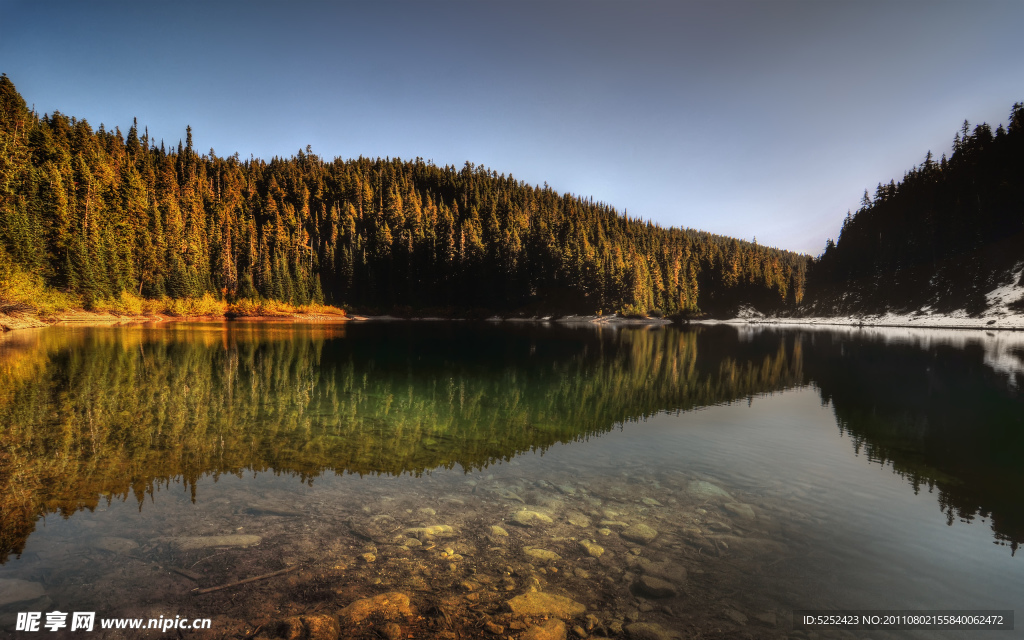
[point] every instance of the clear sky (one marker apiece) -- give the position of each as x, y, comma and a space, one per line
763, 119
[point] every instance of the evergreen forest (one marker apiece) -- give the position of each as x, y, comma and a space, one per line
940, 239
97, 214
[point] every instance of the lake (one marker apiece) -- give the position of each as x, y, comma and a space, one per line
461, 480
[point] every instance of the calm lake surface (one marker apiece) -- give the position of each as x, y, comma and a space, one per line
705, 482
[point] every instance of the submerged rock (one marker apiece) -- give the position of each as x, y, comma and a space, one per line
553, 629
740, 510
541, 554
116, 545
14, 590
190, 543
545, 604
527, 518
703, 490
750, 546
567, 489
577, 519
639, 533
614, 523
391, 606
437, 530
310, 628
651, 587
593, 549
666, 571
650, 631
392, 631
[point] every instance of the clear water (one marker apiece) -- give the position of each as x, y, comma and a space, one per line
863, 470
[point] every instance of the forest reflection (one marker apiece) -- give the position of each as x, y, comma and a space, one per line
944, 410
95, 414
106, 413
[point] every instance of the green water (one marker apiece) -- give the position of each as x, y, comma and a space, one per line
779, 470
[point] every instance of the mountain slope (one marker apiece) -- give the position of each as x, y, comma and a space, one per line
947, 239
98, 213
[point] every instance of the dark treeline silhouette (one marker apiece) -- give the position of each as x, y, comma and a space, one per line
97, 213
950, 231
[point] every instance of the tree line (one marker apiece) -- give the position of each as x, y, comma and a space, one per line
941, 238
97, 212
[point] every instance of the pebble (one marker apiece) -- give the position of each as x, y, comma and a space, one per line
496, 629
390, 606
736, 616
310, 627
740, 510
440, 530
666, 571
706, 491
321, 627
541, 554
527, 518
14, 590
649, 631
116, 545
614, 523
593, 549
391, 631
577, 519
190, 543
550, 630
751, 546
545, 604
652, 587
639, 533
498, 531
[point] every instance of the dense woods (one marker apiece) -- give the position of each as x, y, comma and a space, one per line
98, 212
944, 236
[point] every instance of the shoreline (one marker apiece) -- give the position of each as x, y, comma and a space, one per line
17, 321
1015, 322
889, 320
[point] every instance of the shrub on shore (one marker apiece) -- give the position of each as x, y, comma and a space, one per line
249, 308
24, 292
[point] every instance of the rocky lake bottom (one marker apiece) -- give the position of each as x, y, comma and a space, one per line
606, 549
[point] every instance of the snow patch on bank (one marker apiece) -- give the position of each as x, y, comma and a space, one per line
1004, 310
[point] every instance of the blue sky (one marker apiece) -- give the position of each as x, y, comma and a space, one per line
752, 119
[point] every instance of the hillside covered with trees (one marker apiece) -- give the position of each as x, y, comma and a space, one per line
951, 231
97, 214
